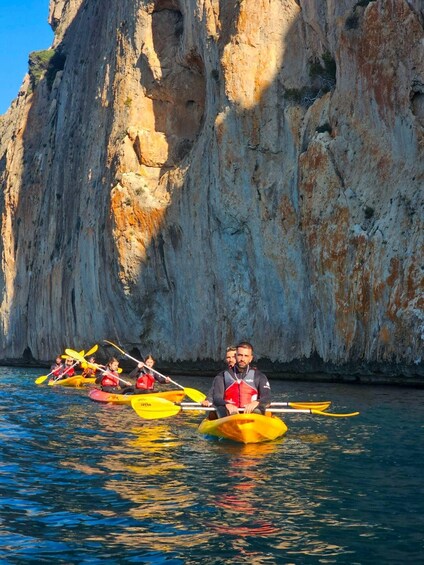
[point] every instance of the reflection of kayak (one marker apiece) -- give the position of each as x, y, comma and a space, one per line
245, 428
75, 381
102, 396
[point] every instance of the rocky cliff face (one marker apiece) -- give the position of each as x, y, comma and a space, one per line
188, 173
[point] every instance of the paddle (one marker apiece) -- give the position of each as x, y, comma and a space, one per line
316, 405
41, 379
155, 408
192, 393
80, 358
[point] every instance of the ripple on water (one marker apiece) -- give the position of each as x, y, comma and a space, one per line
81, 482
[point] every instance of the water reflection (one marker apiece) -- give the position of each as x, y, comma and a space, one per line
81, 482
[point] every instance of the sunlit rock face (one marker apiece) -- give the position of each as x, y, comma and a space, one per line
196, 172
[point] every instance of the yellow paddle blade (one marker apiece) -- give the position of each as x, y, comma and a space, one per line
194, 394
309, 411
75, 355
91, 351
315, 405
153, 408
41, 379
320, 413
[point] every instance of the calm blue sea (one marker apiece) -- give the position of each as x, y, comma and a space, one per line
82, 482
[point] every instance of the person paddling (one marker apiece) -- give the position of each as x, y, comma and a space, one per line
144, 379
109, 380
242, 386
57, 367
67, 370
89, 371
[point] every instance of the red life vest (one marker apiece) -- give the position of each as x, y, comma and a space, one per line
110, 379
57, 372
68, 372
145, 382
240, 391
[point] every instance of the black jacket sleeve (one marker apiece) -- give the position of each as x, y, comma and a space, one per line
264, 389
218, 390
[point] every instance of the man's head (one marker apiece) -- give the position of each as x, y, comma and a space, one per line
244, 354
69, 362
230, 356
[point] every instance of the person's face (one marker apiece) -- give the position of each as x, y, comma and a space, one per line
149, 362
58, 360
244, 356
230, 358
114, 365
69, 362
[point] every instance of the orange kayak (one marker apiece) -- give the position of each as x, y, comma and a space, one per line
110, 397
245, 428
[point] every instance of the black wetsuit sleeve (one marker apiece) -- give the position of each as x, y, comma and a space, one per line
159, 378
264, 389
209, 396
135, 373
218, 390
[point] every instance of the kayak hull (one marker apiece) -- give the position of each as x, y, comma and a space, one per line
76, 381
109, 397
245, 428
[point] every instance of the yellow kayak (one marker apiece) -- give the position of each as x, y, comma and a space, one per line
76, 381
245, 428
102, 396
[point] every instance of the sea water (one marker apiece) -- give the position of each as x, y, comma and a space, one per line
82, 482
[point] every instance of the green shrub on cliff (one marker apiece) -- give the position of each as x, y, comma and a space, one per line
45, 64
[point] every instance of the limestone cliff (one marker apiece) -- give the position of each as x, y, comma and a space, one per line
188, 173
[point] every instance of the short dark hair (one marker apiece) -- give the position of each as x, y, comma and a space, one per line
231, 348
246, 345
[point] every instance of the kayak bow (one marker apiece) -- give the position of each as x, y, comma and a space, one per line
244, 428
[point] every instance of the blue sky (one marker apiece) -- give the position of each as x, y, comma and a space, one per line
23, 28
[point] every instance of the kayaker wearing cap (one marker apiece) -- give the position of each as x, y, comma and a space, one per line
243, 386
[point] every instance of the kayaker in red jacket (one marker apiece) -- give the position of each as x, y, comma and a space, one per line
243, 386
57, 367
144, 378
109, 379
67, 370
